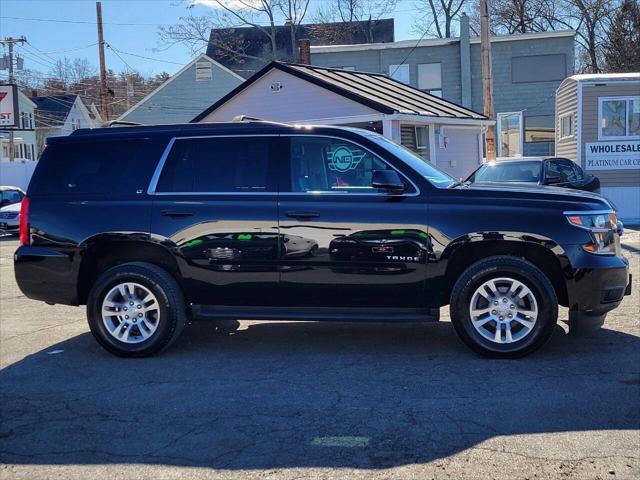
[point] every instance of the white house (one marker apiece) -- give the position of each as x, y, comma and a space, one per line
24, 137
59, 115
440, 131
189, 91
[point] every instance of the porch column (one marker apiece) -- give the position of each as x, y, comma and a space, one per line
391, 129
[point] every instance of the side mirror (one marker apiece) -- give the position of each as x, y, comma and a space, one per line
388, 180
552, 180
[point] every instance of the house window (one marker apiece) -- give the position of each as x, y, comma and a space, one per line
430, 78
566, 126
204, 71
510, 134
422, 137
75, 124
619, 118
539, 135
400, 73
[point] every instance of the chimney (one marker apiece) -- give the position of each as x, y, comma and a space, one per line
465, 61
305, 51
34, 92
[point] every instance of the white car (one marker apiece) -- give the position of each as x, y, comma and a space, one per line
10, 218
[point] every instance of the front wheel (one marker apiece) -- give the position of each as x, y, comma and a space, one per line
136, 309
503, 307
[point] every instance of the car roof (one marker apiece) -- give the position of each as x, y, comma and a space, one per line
242, 126
4, 188
526, 159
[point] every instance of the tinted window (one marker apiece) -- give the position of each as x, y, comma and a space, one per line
97, 167
563, 171
508, 172
224, 164
331, 165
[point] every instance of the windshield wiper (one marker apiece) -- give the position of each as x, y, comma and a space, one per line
460, 183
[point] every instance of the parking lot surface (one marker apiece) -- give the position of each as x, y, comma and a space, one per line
290, 400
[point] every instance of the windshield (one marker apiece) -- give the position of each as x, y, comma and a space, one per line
508, 172
434, 175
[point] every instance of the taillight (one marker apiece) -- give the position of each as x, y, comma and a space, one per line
24, 222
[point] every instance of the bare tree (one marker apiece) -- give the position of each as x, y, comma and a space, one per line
294, 12
438, 16
590, 19
351, 13
218, 28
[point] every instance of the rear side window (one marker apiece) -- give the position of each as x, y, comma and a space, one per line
98, 167
223, 164
563, 170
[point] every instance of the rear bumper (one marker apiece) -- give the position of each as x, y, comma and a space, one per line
46, 275
599, 284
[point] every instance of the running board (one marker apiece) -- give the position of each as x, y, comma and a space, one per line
208, 312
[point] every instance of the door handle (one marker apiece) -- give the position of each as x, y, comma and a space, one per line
299, 214
176, 213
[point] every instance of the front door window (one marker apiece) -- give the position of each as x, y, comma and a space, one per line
510, 134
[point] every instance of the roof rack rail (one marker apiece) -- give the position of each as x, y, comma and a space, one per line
249, 118
112, 123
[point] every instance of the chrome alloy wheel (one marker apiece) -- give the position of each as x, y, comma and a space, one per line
130, 312
503, 310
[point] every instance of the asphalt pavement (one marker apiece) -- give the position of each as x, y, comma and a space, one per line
291, 400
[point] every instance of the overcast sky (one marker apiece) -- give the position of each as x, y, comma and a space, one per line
58, 28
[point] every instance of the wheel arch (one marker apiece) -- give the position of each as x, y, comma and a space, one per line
103, 252
545, 254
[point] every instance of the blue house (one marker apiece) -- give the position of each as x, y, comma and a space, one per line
187, 93
527, 70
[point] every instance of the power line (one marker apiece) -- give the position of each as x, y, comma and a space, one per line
142, 56
85, 22
409, 54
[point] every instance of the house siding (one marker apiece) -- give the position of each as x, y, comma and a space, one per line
184, 98
460, 156
590, 95
298, 100
537, 98
567, 103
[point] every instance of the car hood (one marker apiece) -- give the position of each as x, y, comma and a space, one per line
14, 207
531, 191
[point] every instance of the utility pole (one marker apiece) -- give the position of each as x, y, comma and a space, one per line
103, 70
10, 42
487, 79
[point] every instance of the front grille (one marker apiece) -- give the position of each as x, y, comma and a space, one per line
9, 215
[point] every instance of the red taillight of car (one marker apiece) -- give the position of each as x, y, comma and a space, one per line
24, 222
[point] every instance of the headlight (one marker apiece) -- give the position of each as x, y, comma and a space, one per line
602, 227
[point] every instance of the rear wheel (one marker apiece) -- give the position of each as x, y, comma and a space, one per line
503, 307
136, 309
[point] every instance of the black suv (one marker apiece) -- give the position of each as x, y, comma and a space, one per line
150, 226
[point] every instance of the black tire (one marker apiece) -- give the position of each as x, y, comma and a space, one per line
518, 269
173, 315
